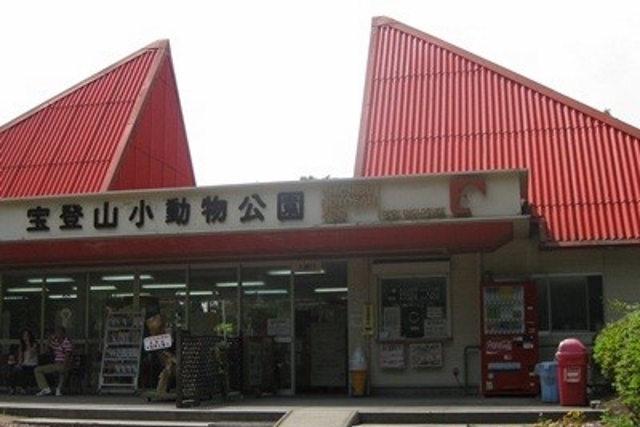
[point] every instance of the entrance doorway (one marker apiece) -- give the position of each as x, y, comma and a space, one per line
320, 316
295, 328
267, 301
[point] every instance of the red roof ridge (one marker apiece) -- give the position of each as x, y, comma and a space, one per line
164, 48
381, 21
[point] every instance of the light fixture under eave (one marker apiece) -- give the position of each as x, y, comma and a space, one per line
63, 296
164, 286
124, 295
194, 293
330, 290
35, 280
286, 272
125, 277
266, 292
129, 295
23, 290
247, 284
103, 288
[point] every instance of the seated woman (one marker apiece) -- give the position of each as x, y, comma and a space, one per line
22, 376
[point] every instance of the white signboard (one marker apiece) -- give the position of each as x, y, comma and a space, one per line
269, 206
158, 342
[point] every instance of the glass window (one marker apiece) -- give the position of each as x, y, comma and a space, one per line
542, 297
570, 303
164, 292
596, 303
65, 300
266, 302
109, 291
213, 302
21, 304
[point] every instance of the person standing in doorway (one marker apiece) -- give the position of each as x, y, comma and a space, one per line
26, 363
61, 347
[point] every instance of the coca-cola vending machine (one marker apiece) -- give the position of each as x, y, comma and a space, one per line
509, 338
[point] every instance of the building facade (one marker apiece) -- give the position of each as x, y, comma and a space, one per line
485, 223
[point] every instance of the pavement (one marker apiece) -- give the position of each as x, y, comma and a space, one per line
286, 411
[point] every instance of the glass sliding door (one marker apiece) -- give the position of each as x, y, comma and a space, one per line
267, 329
321, 329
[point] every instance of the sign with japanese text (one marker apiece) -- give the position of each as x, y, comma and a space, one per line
158, 342
269, 206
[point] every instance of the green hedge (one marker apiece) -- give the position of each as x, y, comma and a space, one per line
617, 351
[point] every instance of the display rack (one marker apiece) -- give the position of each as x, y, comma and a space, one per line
121, 353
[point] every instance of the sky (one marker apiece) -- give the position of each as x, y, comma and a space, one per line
272, 90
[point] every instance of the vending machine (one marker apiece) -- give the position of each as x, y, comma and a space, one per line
509, 338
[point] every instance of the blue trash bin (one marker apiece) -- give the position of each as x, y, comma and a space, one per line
548, 373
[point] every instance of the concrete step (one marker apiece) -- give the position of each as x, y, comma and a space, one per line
60, 422
319, 417
464, 416
149, 415
303, 411
75, 422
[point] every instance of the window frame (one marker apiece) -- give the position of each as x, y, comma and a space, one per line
545, 307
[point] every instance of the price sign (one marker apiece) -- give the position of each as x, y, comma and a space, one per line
158, 342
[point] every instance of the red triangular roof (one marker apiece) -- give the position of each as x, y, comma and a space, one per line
432, 107
119, 129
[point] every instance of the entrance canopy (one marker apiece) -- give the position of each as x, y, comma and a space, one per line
441, 214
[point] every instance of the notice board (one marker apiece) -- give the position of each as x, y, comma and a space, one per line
414, 307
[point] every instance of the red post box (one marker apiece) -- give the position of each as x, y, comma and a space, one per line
572, 358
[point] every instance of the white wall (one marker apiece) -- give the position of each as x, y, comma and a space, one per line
463, 297
620, 267
622, 277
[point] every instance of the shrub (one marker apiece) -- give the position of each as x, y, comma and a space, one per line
570, 419
617, 351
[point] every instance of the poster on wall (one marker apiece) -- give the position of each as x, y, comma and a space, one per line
425, 355
392, 323
391, 356
414, 307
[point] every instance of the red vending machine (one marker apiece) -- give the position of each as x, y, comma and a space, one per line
509, 338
